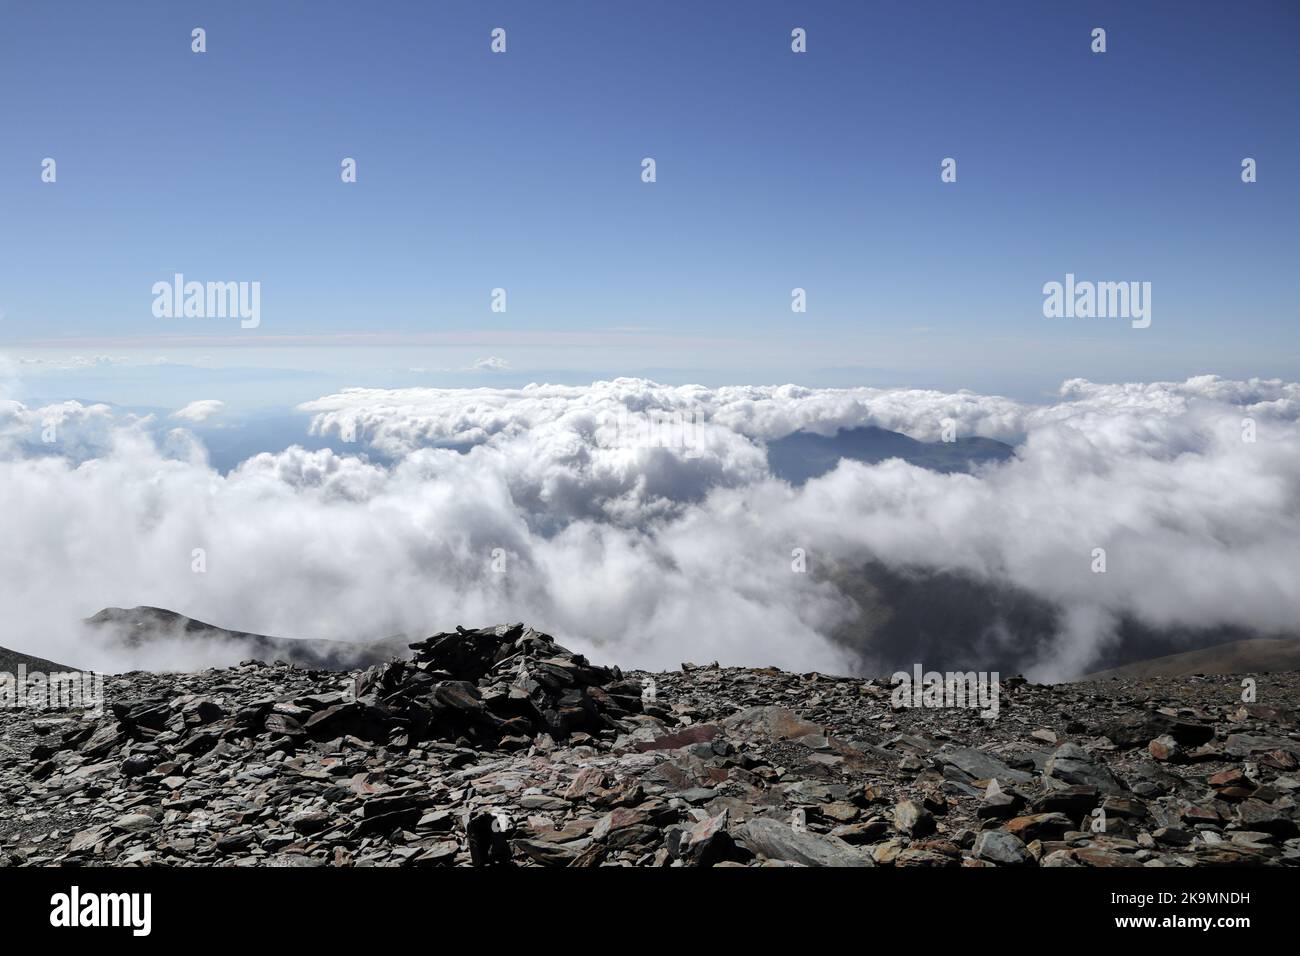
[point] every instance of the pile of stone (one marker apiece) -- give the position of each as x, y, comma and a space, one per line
496, 686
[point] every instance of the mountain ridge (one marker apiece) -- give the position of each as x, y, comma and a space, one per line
138, 626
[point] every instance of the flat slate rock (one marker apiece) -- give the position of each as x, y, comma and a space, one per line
981, 766
779, 841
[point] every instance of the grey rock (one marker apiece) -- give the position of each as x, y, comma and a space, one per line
777, 841
913, 819
1070, 764
981, 766
998, 846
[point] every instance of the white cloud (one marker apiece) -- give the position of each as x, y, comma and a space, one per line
649, 555
490, 364
200, 411
66, 428
399, 420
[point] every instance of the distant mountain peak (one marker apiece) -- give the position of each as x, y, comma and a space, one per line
803, 455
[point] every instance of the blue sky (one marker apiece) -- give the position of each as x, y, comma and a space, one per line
775, 170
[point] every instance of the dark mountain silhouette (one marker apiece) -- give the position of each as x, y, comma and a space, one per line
11, 660
804, 455
948, 620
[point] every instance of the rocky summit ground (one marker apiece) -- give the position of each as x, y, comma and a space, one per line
500, 747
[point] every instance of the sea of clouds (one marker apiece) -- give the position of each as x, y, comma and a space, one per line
649, 556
